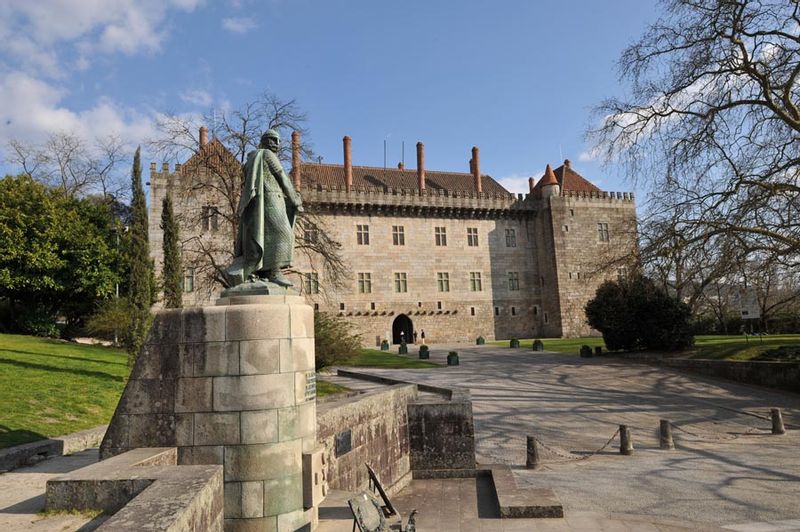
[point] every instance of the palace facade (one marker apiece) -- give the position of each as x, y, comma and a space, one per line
452, 254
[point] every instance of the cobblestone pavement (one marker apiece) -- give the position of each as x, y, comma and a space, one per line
728, 469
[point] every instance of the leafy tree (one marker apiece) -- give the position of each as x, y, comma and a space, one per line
712, 122
634, 313
55, 255
172, 271
141, 288
334, 340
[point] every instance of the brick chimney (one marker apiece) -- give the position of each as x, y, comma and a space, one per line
531, 183
203, 136
296, 159
348, 163
421, 166
567, 164
476, 168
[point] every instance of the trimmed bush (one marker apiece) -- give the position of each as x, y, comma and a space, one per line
636, 314
384, 345
586, 351
452, 358
537, 345
403, 349
424, 353
480, 340
514, 343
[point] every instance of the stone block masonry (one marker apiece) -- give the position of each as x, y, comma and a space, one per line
230, 384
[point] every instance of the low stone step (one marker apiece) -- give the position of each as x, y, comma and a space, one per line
516, 502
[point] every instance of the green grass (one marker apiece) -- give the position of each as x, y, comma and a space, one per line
569, 346
714, 347
50, 388
328, 388
373, 358
737, 347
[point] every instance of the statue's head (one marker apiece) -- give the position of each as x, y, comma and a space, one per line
270, 140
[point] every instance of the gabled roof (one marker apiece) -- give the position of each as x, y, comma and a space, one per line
213, 155
567, 178
332, 175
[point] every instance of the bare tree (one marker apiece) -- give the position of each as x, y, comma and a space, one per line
713, 117
67, 162
211, 179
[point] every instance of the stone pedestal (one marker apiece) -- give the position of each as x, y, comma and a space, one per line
231, 384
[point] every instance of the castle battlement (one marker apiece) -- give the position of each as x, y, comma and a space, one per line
427, 202
604, 195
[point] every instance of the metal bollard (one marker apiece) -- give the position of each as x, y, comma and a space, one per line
777, 421
625, 443
532, 459
665, 435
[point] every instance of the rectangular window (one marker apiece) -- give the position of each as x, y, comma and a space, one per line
513, 280
398, 235
475, 282
311, 236
472, 311
602, 232
210, 218
364, 283
443, 281
440, 235
472, 237
341, 306
439, 305
311, 283
535, 310
511, 238
496, 311
372, 306
513, 311
362, 234
188, 280
401, 282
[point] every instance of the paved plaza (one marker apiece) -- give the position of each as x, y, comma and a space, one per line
728, 471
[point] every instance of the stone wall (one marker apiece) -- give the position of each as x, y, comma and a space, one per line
784, 375
442, 436
370, 428
230, 384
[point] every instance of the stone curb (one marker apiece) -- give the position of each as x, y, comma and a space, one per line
33, 452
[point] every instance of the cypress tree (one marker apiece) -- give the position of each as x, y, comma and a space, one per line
171, 272
141, 286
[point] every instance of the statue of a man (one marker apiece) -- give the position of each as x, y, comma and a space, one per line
267, 210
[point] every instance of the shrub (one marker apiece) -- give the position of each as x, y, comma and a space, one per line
334, 340
111, 321
636, 314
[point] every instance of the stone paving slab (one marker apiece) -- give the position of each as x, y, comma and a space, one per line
727, 469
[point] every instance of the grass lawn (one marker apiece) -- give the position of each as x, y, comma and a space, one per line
569, 346
51, 388
715, 347
738, 347
328, 388
374, 358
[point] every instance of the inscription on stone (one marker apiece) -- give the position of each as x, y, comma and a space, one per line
343, 443
311, 385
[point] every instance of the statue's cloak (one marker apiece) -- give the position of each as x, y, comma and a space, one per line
265, 239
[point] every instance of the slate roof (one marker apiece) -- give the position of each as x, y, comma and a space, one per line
332, 175
568, 179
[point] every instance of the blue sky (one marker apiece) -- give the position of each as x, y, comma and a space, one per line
516, 78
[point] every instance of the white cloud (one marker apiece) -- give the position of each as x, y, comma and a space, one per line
238, 24
31, 109
516, 183
197, 97
37, 33
589, 155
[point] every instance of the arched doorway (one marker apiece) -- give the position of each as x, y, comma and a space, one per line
402, 323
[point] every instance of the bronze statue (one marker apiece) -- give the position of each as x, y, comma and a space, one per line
267, 210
